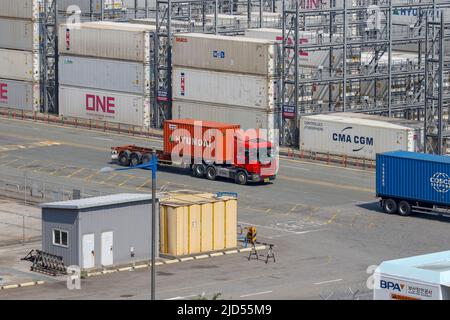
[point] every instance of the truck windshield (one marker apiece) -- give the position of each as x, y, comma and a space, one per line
259, 155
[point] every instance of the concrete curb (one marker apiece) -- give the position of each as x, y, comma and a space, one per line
22, 285
176, 260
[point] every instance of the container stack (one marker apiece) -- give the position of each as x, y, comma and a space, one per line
104, 72
20, 43
225, 79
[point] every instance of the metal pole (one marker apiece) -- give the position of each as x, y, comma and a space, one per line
441, 84
390, 59
23, 230
425, 79
146, 9
344, 65
135, 8
102, 10
154, 168
260, 13
216, 8
25, 190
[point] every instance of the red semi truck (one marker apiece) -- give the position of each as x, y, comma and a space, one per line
209, 149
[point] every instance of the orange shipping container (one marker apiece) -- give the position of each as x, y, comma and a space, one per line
204, 139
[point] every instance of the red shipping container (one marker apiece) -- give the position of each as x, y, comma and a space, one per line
195, 138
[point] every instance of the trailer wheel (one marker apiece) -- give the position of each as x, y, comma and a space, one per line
241, 178
198, 170
135, 159
146, 158
404, 208
390, 206
124, 158
211, 173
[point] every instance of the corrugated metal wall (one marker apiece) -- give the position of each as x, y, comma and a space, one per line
66, 220
131, 227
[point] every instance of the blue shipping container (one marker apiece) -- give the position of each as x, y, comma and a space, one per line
414, 176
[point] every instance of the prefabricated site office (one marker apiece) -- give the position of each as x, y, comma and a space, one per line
101, 231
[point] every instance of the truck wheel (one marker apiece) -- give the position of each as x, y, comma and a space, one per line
390, 206
211, 173
241, 178
135, 159
124, 158
404, 208
198, 170
146, 158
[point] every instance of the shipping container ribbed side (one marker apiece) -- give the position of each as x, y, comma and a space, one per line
189, 137
110, 106
20, 95
23, 9
225, 53
20, 34
19, 65
105, 74
357, 135
112, 40
413, 176
226, 88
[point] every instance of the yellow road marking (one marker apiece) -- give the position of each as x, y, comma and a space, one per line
88, 178
112, 175
58, 169
354, 219
333, 217
327, 184
28, 164
143, 185
9, 162
125, 181
75, 172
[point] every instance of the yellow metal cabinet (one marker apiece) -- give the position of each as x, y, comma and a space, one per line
194, 223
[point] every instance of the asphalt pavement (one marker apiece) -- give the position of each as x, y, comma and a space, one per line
324, 221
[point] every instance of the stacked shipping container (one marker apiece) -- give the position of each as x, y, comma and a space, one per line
221, 78
104, 72
20, 43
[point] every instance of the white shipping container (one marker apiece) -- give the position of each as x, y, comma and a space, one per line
235, 89
105, 74
19, 95
102, 105
85, 5
113, 40
247, 118
24, 9
19, 65
355, 137
224, 53
311, 58
19, 34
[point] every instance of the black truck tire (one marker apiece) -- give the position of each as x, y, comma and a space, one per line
124, 158
146, 158
241, 178
211, 173
404, 208
390, 206
198, 170
135, 159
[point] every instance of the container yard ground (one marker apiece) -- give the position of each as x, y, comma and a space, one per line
324, 221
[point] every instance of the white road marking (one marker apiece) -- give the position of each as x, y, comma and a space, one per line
255, 294
181, 298
280, 229
104, 139
296, 168
328, 281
